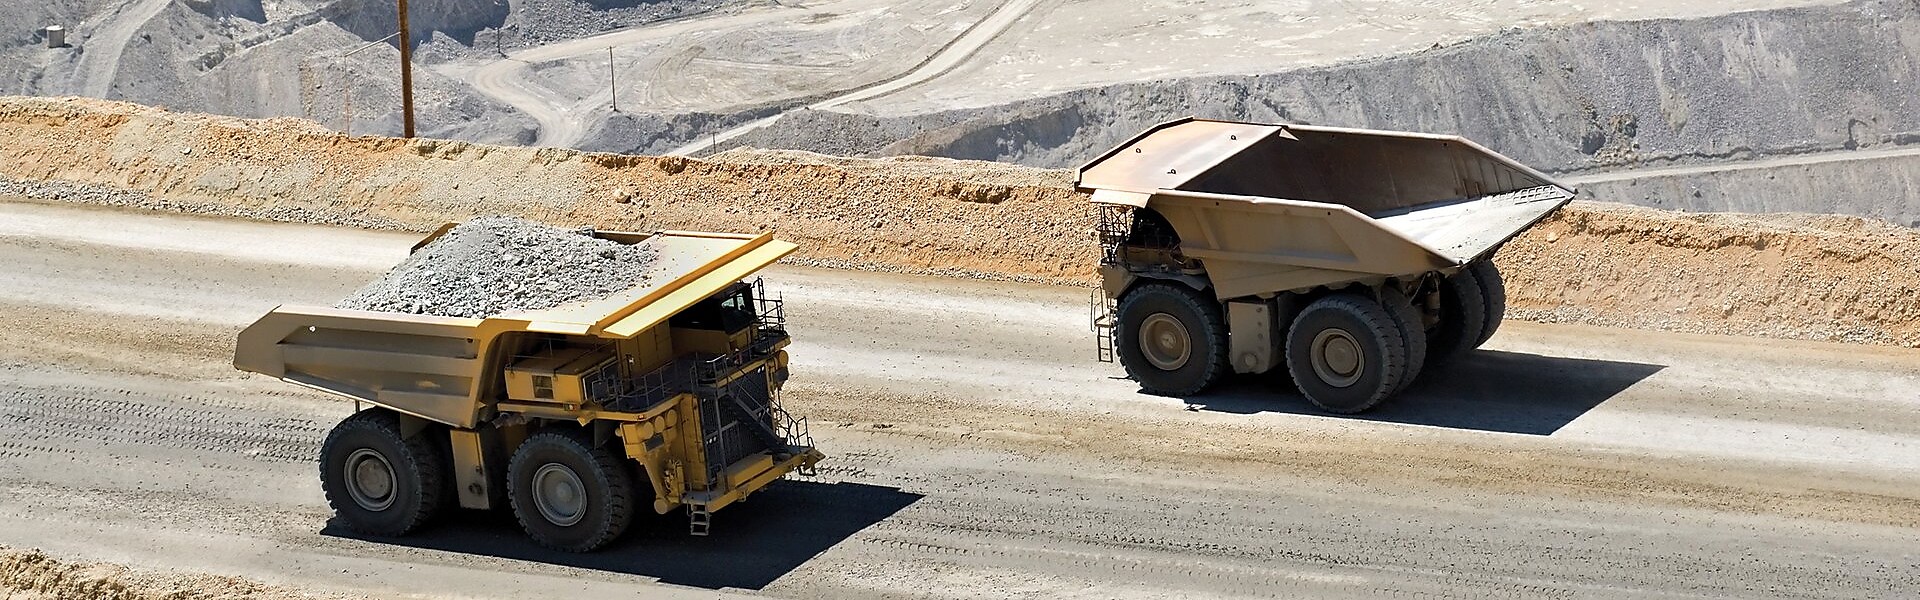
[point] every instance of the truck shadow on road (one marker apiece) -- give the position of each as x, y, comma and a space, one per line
1509, 392
752, 543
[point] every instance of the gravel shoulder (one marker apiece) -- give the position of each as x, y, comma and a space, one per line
1567, 461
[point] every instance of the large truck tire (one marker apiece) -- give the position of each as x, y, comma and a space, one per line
1413, 332
1345, 353
1463, 317
1493, 290
379, 481
569, 494
1171, 339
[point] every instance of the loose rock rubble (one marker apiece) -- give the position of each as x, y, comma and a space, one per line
493, 265
33, 575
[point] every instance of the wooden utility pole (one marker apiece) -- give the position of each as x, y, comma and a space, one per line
612, 86
406, 70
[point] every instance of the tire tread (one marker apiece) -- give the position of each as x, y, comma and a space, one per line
1413, 333
1493, 292
1380, 324
610, 469
426, 462
1212, 320
1462, 319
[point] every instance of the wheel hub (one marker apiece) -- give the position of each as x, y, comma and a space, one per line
559, 495
370, 480
1337, 358
1165, 342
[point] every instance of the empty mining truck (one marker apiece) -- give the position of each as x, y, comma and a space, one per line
1352, 259
660, 398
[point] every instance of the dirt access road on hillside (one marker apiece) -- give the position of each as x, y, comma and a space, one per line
977, 452
100, 52
946, 60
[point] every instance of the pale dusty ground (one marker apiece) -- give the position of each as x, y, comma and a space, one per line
718, 62
1070, 44
977, 451
33, 575
766, 53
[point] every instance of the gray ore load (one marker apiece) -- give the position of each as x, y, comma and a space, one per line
492, 265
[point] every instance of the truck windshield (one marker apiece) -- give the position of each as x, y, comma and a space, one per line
728, 311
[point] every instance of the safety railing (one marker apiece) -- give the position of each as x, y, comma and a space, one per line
1112, 225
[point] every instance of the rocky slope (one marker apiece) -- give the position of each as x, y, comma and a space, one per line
1574, 98
316, 59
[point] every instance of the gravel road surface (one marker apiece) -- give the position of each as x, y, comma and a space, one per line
977, 451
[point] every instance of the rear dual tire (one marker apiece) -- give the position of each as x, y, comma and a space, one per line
1347, 352
568, 493
1472, 304
1493, 291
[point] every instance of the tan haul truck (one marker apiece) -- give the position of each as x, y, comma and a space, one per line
662, 397
1352, 259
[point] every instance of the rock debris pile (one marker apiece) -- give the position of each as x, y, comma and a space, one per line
492, 265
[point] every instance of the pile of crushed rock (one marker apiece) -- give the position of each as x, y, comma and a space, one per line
493, 265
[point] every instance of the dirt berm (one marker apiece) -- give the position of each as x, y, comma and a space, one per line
33, 575
1793, 276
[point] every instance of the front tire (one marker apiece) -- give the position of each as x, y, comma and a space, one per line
378, 481
1346, 354
569, 494
1171, 339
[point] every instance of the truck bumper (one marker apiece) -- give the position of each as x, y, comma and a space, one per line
750, 474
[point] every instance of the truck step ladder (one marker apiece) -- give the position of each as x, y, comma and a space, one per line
699, 521
1100, 317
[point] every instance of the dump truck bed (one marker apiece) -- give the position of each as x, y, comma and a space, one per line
1285, 207
438, 368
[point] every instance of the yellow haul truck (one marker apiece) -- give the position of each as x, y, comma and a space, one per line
1350, 258
574, 416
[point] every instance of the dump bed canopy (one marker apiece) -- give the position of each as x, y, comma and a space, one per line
690, 267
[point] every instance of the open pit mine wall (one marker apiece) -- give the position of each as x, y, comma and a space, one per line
1791, 276
1573, 100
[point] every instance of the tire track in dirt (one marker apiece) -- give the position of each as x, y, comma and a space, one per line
124, 417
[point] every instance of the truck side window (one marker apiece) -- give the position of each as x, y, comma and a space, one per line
730, 311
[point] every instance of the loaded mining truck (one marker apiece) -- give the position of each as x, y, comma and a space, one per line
660, 398
1350, 260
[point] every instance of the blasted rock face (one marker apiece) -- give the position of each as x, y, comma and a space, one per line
494, 265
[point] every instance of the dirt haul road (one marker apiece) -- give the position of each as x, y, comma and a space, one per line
976, 451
